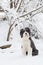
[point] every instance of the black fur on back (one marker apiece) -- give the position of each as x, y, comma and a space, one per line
34, 50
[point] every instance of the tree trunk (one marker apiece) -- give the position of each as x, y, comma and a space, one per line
11, 4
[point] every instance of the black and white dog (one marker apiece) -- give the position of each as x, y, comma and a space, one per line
27, 46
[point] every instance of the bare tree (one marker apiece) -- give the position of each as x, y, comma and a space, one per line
10, 28
9, 32
15, 3
29, 14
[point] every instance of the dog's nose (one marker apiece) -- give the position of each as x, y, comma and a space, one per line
26, 33
26, 52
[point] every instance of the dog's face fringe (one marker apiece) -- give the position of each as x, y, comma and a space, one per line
25, 32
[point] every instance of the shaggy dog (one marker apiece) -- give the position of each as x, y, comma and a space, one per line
27, 46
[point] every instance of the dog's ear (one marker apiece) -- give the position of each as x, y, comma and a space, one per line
28, 30
21, 32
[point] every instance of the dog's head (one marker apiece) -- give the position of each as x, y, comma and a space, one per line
25, 32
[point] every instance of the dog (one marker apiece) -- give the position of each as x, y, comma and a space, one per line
28, 46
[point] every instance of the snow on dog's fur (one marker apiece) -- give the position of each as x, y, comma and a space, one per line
27, 45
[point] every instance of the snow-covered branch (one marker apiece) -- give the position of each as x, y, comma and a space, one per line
31, 12
18, 6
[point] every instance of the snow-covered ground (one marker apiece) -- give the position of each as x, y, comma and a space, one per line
16, 58
12, 55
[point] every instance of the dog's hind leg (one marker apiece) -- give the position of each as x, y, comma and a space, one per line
34, 52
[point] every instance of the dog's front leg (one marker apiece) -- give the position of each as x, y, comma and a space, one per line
30, 51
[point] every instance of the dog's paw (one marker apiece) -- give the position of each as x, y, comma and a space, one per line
35, 52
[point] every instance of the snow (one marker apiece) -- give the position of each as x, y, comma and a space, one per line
13, 55
39, 22
20, 60
2, 15
17, 59
3, 30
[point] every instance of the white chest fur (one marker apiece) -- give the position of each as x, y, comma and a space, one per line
26, 46
26, 42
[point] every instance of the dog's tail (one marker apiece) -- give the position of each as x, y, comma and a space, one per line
35, 52
5, 46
